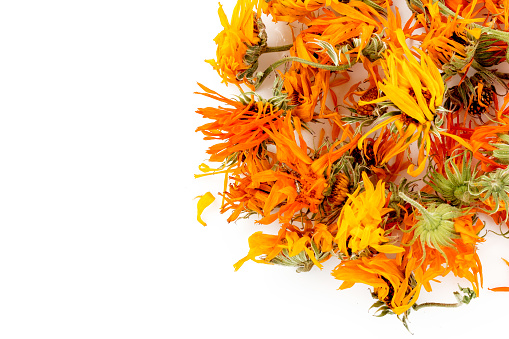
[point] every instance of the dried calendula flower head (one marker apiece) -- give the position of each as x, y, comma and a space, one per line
360, 224
416, 89
435, 224
304, 250
454, 183
303, 87
291, 247
489, 51
348, 32
393, 285
450, 41
240, 126
493, 188
239, 44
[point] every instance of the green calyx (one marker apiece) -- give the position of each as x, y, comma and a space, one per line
494, 187
435, 224
253, 53
301, 261
502, 151
454, 184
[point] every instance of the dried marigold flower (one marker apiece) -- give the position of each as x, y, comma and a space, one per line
360, 224
239, 44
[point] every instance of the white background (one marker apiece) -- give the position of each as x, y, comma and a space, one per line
98, 230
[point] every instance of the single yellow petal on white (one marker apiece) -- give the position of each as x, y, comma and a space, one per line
204, 202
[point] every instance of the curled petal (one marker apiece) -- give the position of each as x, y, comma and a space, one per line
204, 202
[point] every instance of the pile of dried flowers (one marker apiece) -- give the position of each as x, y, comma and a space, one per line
405, 161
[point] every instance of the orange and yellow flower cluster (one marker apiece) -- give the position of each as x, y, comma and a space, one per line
387, 177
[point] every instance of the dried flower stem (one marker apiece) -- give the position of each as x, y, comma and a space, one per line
280, 62
282, 48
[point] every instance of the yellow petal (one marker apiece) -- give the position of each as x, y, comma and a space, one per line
377, 127
476, 32
459, 140
388, 248
416, 171
222, 16
204, 202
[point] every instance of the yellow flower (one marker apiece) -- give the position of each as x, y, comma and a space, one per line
415, 88
360, 221
239, 43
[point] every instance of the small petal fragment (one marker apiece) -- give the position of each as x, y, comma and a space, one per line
204, 202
